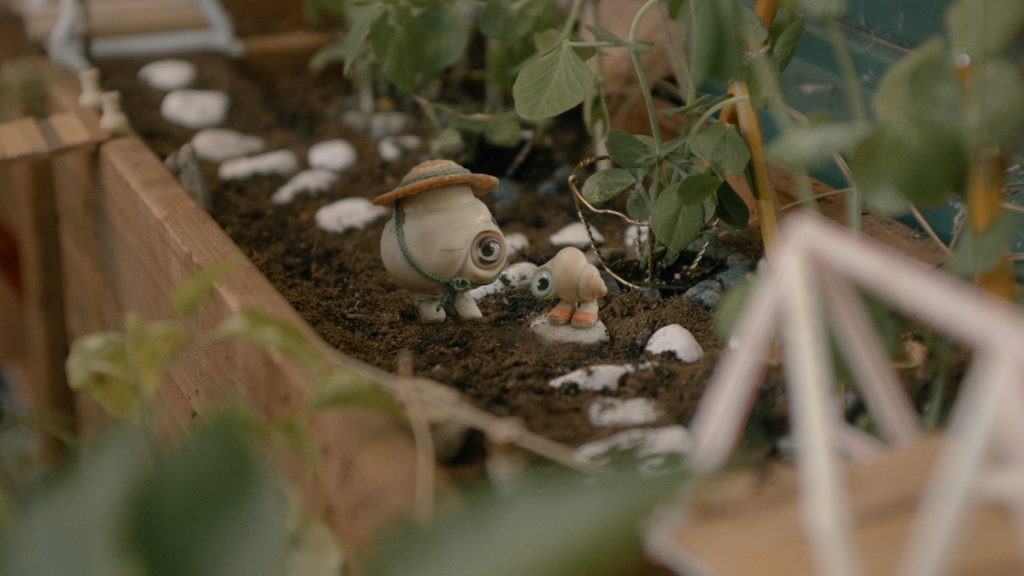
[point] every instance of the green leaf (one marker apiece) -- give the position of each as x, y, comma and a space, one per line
715, 46
697, 188
675, 223
996, 114
602, 35
74, 523
347, 390
983, 28
197, 287
628, 150
152, 347
731, 208
552, 84
591, 526
415, 47
721, 146
503, 130
675, 8
730, 307
809, 146
977, 253
447, 143
271, 334
500, 19
822, 9
365, 21
210, 510
98, 364
786, 36
546, 40
607, 184
636, 206
324, 57
922, 89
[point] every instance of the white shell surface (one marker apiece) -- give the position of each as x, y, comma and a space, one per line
169, 74
220, 144
575, 234
607, 412
513, 276
311, 181
598, 376
335, 155
348, 214
195, 108
678, 341
278, 162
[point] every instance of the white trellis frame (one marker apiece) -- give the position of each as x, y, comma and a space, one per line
65, 45
813, 264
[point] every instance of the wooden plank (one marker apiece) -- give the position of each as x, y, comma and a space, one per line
20, 139
746, 524
279, 55
30, 189
123, 18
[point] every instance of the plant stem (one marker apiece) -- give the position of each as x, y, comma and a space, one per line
574, 15
642, 76
711, 111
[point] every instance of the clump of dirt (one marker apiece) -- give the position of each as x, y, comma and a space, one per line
338, 284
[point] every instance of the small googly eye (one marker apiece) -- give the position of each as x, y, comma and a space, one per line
542, 284
488, 250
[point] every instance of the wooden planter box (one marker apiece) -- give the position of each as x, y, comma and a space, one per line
105, 229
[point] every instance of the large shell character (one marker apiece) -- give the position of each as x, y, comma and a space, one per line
442, 240
575, 282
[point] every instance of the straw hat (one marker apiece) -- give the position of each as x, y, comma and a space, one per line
434, 174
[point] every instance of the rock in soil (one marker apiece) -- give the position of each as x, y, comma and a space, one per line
569, 334
677, 341
195, 108
312, 181
170, 74
598, 377
220, 144
277, 163
609, 412
348, 214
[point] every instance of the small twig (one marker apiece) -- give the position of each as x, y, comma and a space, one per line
1013, 207
923, 223
814, 197
422, 437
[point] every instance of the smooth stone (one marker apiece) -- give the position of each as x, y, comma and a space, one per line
348, 214
378, 125
513, 276
392, 148
598, 377
567, 334
516, 242
735, 273
657, 448
629, 239
558, 181
676, 340
276, 163
607, 412
575, 234
308, 181
220, 144
335, 155
170, 74
195, 108
707, 293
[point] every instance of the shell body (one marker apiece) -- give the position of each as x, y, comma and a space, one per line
448, 233
573, 278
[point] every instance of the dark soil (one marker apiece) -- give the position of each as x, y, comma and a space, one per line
339, 285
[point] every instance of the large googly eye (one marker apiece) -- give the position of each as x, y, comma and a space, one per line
542, 284
488, 250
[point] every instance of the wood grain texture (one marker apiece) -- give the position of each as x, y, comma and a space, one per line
120, 18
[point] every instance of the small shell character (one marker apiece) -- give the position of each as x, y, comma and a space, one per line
575, 282
442, 240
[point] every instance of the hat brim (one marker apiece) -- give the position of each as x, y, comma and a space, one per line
480, 184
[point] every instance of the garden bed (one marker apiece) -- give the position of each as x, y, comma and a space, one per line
337, 283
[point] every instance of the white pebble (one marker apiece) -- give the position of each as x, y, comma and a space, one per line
516, 243
277, 163
628, 412
392, 148
220, 144
171, 74
677, 340
195, 108
629, 239
652, 445
348, 214
311, 181
568, 334
598, 376
335, 155
575, 234
514, 276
